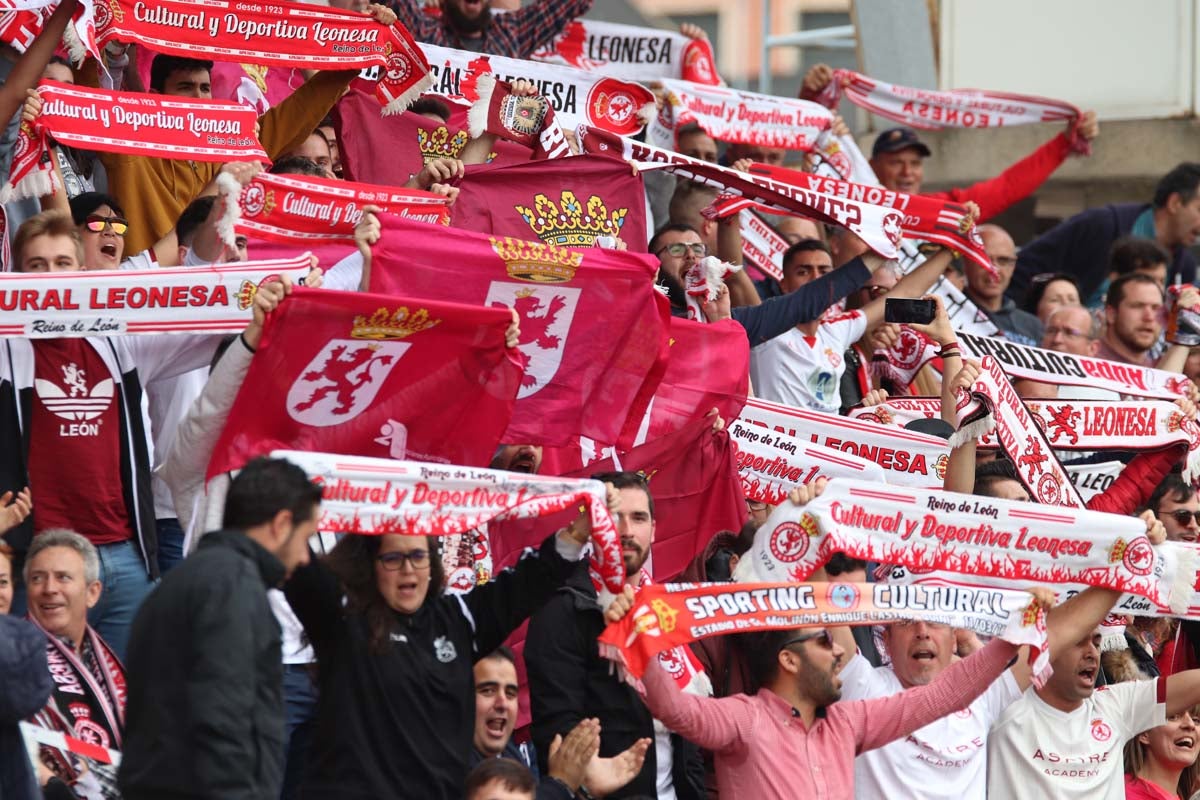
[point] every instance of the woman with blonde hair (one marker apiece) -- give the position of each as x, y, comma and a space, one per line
1160, 763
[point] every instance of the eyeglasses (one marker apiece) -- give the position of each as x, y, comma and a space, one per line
95, 223
1005, 262
1182, 516
679, 249
1070, 333
394, 561
822, 638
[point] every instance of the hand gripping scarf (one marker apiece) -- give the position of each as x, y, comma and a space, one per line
376, 496
928, 530
673, 615
528, 121
278, 34
959, 108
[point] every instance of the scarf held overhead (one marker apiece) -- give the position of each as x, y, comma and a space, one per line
631, 53
736, 116
279, 34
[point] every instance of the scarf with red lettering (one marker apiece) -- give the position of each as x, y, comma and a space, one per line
528, 121
377, 495
762, 247
280, 34
22, 20
967, 534
631, 53
577, 97
920, 217
959, 108
306, 210
736, 116
903, 457
131, 123
863, 219
88, 700
54, 305
674, 615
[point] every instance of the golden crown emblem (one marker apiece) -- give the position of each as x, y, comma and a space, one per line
440, 144
245, 295
666, 615
1030, 614
808, 523
117, 12
398, 324
258, 74
568, 223
537, 262
1118, 551
269, 202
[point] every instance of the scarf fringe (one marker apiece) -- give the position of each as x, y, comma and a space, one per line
76, 49
647, 113
229, 191
399, 105
971, 430
37, 183
1182, 585
1191, 466
617, 662
478, 113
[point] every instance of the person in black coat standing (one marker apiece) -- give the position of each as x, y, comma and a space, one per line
204, 716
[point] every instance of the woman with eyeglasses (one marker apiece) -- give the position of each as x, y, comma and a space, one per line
1160, 764
395, 658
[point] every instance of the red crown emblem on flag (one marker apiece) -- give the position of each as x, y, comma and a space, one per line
568, 223
536, 262
398, 324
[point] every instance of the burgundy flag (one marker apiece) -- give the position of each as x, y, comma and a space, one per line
367, 375
709, 368
566, 202
594, 331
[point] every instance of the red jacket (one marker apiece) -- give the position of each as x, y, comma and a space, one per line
1137, 481
1014, 184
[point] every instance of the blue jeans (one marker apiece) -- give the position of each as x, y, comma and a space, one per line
300, 706
170, 544
126, 584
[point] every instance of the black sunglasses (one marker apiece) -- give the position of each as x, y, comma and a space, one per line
1182, 516
822, 638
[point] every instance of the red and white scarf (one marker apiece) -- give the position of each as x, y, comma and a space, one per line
762, 247
959, 108
280, 34
631, 53
306, 210
674, 615
377, 496
966, 534
679, 661
735, 116
905, 458
528, 121
577, 97
130, 123
54, 305
21, 21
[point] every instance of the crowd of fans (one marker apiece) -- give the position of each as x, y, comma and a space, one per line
205, 629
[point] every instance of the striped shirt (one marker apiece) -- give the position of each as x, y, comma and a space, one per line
515, 34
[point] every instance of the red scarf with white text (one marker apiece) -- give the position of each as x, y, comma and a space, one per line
92, 704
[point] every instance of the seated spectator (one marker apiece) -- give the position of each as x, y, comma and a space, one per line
1161, 763
1048, 292
102, 226
1131, 317
1071, 329
6, 578
48, 242
500, 779
987, 290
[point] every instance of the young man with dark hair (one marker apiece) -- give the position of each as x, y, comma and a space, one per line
1135, 254
1131, 315
1177, 507
499, 779
205, 714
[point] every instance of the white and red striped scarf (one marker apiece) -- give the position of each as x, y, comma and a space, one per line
21, 21
762, 247
958, 108
630, 52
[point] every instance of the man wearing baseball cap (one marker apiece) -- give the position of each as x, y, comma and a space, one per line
898, 160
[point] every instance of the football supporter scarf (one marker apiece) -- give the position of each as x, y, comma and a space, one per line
771, 463
51, 305
594, 339
131, 123
735, 116
960, 108
21, 21
762, 247
281, 34
679, 661
369, 375
934, 530
527, 121
840, 157
630, 52
863, 219
305, 210
993, 405
577, 97
92, 705
566, 202
378, 496
675, 615
905, 458
920, 217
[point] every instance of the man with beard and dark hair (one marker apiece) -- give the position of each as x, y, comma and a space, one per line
569, 681
1131, 316
470, 25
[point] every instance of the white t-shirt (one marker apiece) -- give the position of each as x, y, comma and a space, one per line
945, 760
1035, 750
806, 371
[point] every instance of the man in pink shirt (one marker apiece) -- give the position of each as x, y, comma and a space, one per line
793, 739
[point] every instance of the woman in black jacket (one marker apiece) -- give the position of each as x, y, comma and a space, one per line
397, 704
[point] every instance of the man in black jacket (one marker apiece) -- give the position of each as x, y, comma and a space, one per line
569, 681
204, 716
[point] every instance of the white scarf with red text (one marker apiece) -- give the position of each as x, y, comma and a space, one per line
630, 52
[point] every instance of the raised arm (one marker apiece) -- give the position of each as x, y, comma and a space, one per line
28, 70
914, 284
716, 724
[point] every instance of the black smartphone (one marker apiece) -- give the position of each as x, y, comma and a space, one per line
906, 309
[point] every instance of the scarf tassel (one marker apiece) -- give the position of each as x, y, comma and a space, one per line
229, 191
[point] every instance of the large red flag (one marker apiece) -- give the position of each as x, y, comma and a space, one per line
566, 202
594, 341
367, 375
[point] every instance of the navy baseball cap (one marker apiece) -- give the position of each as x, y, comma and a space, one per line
894, 140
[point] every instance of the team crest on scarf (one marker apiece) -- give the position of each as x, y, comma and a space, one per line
569, 223
523, 115
614, 107
344, 378
546, 313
